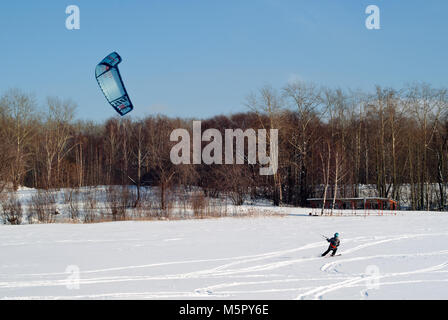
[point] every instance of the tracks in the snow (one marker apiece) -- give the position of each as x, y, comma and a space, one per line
238, 276
363, 278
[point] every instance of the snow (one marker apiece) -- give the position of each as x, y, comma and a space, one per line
401, 256
82, 198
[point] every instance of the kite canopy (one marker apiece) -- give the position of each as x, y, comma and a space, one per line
110, 82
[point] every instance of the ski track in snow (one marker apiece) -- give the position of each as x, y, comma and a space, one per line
318, 292
241, 275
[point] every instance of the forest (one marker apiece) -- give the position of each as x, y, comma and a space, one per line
331, 142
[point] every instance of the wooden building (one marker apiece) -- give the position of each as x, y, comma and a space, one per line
355, 203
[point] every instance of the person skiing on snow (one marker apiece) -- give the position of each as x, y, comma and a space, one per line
334, 244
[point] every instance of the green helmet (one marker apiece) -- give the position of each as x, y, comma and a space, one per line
336, 235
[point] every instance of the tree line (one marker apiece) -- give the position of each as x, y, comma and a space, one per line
331, 143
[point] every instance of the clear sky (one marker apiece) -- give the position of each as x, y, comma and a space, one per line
199, 58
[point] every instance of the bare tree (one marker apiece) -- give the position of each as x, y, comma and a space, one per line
305, 99
339, 173
163, 170
43, 206
18, 112
325, 161
140, 153
426, 105
12, 211
57, 134
268, 102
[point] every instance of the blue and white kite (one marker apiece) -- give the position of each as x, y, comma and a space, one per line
111, 84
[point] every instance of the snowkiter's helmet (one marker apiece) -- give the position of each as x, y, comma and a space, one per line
336, 235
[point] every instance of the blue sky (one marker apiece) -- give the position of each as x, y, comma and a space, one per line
199, 58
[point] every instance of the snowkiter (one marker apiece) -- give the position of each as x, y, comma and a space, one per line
334, 244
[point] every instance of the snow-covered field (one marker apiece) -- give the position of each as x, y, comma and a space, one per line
383, 257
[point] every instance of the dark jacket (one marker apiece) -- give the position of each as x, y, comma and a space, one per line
334, 242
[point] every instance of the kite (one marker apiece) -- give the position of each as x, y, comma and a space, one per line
110, 82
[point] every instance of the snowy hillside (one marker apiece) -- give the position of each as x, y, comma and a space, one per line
383, 257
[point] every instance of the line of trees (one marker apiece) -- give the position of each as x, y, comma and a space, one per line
331, 143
